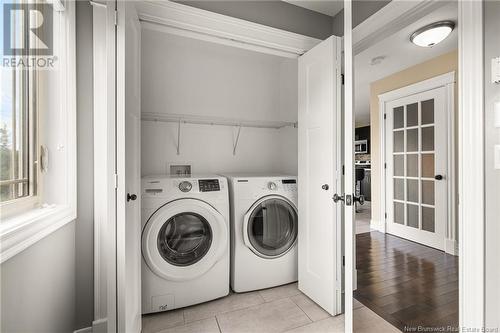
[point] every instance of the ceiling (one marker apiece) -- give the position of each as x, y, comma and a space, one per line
399, 54
330, 7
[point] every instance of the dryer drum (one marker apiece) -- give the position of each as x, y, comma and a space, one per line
184, 239
272, 227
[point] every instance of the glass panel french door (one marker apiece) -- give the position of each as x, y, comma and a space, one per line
416, 167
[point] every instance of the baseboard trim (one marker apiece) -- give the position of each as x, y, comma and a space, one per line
100, 325
84, 330
377, 225
451, 246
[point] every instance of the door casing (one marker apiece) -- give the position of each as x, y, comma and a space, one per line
446, 81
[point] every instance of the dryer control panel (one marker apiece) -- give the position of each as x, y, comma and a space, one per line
289, 184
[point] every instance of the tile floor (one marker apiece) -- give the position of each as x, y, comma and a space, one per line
280, 309
363, 217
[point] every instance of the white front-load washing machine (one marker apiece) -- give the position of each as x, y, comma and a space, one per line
264, 224
185, 241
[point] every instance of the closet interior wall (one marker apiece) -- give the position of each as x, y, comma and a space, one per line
186, 76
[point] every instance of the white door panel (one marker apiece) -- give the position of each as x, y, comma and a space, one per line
319, 165
128, 224
416, 153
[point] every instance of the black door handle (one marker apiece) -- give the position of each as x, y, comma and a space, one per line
325, 187
131, 197
438, 177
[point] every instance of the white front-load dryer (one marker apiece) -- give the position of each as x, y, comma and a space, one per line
185, 241
264, 225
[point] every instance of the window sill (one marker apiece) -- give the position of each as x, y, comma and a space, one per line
21, 231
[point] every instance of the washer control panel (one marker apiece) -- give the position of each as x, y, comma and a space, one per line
185, 186
209, 185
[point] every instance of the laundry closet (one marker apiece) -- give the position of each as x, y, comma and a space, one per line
220, 96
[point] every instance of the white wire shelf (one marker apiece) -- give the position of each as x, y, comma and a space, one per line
219, 121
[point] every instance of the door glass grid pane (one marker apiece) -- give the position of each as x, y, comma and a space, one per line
428, 217
399, 212
428, 138
413, 133
412, 215
399, 141
399, 189
428, 192
412, 115
427, 112
398, 117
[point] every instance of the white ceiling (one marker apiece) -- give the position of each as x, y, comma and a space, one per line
329, 7
400, 54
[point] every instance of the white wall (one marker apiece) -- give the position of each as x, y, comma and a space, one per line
192, 77
38, 286
492, 137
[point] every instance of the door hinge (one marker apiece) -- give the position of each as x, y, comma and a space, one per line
342, 78
385, 215
385, 165
385, 115
343, 260
116, 181
116, 18
343, 170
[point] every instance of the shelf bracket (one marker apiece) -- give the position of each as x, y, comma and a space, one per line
237, 139
179, 137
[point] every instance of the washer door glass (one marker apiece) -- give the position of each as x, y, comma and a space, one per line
184, 239
272, 227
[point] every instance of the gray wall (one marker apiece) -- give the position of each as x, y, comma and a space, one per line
361, 10
277, 14
492, 137
38, 286
84, 238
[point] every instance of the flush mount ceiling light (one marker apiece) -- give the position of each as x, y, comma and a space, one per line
432, 34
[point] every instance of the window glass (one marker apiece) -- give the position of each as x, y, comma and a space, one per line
17, 122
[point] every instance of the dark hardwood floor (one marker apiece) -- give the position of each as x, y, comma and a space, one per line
407, 284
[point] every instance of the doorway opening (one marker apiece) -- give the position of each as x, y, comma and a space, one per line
407, 254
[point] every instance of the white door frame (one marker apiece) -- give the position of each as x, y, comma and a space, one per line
348, 137
471, 182
104, 168
448, 82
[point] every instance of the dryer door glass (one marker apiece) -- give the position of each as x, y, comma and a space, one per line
184, 239
272, 227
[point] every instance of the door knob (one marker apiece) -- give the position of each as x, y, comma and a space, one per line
337, 198
325, 187
438, 177
131, 197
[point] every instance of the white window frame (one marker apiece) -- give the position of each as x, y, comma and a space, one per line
18, 205
55, 206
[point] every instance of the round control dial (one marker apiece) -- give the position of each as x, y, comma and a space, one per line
272, 186
185, 186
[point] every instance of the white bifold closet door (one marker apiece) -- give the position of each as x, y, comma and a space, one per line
319, 173
128, 142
